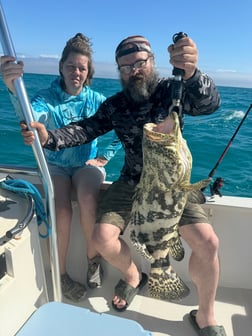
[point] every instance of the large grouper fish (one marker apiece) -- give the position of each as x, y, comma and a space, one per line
158, 204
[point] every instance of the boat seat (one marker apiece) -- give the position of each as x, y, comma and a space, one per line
56, 318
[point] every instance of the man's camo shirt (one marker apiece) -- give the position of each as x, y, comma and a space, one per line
200, 97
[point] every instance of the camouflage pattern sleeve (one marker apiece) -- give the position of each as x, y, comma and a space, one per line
201, 95
81, 132
68, 136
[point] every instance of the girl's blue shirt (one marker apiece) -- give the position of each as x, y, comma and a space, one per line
55, 109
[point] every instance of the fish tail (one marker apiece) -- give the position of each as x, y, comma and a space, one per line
165, 284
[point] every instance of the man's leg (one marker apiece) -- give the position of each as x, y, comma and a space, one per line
113, 216
203, 268
117, 253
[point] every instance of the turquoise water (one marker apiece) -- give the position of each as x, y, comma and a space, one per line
207, 136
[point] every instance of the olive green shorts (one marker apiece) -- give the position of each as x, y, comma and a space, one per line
115, 204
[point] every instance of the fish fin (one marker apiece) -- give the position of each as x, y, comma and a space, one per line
165, 284
197, 185
140, 247
176, 249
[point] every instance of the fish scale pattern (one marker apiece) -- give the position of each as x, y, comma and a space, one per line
158, 204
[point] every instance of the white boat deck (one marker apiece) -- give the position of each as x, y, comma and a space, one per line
233, 310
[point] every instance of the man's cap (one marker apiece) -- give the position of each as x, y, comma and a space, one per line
132, 44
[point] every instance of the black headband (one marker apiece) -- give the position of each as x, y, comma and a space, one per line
126, 48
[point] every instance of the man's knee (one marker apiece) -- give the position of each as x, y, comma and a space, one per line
209, 245
201, 238
105, 234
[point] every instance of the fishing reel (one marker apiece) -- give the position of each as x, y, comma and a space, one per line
215, 187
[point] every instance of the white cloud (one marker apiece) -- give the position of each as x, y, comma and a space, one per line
49, 56
226, 70
232, 78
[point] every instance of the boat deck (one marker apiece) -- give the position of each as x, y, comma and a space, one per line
233, 309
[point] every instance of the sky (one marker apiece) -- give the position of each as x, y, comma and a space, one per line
221, 29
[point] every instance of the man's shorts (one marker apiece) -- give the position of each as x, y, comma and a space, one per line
114, 207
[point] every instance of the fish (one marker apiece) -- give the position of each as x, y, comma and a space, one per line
158, 203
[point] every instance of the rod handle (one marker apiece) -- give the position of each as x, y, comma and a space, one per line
176, 37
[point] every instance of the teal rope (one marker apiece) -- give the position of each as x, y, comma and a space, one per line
24, 187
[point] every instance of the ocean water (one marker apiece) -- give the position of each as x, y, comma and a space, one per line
207, 136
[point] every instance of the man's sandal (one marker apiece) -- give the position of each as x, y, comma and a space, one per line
207, 331
127, 293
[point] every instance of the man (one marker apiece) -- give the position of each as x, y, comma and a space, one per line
146, 98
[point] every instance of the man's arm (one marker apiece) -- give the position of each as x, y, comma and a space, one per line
110, 151
201, 95
80, 132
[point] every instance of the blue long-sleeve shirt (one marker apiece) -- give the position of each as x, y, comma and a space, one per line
55, 109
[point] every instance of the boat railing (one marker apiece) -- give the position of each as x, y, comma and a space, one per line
20, 90
13, 169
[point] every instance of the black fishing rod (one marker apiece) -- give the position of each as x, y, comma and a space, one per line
219, 181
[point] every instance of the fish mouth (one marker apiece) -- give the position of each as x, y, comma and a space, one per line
164, 131
152, 134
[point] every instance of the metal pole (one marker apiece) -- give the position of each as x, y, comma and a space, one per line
22, 96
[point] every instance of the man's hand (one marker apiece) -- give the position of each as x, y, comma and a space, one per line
28, 135
184, 55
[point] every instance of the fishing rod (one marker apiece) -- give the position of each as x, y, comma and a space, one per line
219, 181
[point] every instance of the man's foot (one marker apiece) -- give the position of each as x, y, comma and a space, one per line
94, 273
127, 293
212, 330
71, 289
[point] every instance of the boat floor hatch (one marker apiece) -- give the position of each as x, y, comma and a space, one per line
57, 318
22, 284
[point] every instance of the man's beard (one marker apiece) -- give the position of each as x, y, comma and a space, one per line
139, 88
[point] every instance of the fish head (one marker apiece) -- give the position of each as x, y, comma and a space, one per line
166, 131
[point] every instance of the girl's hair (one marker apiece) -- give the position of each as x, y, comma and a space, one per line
79, 44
